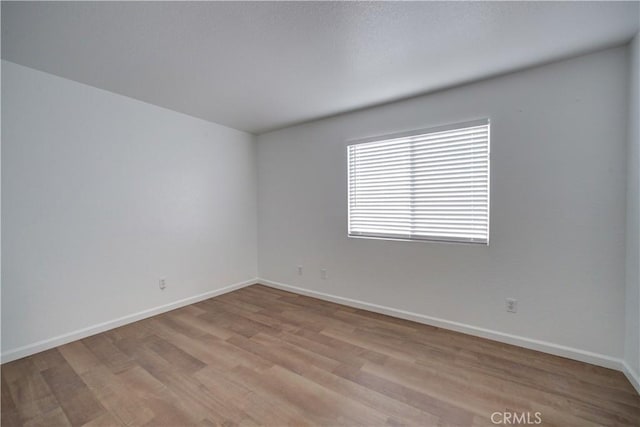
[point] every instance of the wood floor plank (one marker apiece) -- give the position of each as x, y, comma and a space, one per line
261, 356
30, 393
48, 359
432, 405
8, 410
399, 412
54, 418
76, 400
325, 404
102, 347
113, 393
167, 406
268, 409
79, 357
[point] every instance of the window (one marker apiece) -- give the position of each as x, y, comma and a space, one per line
426, 185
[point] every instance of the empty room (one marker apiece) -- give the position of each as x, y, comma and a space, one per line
320, 213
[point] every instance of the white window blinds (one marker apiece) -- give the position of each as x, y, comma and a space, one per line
428, 185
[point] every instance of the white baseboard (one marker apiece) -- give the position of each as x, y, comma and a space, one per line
43, 345
533, 344
546, 347
632, 376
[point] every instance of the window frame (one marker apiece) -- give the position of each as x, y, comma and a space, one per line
416, 132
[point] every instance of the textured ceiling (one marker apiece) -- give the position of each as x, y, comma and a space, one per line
264, 65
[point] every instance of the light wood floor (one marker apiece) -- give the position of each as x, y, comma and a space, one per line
260, 356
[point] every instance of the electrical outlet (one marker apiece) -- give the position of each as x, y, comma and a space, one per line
511, 304
162, 284
323, 274
299, 270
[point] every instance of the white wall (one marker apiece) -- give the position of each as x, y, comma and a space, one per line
632, 299
102, 195
557, 209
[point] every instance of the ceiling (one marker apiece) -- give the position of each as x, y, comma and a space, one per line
258, 66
